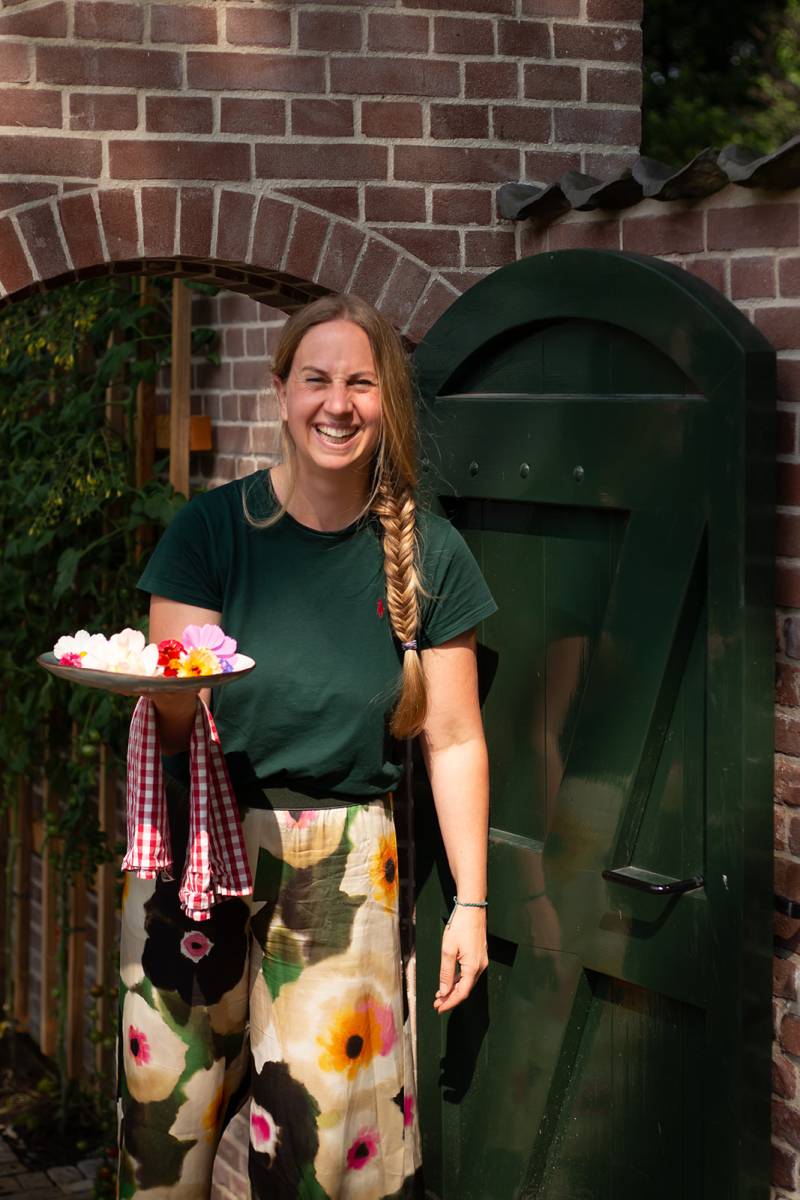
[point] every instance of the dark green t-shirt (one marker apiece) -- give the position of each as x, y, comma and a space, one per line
310, 607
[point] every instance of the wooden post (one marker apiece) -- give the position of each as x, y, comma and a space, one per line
22, 905
104, 887
47, 1022
180, 399
76, 978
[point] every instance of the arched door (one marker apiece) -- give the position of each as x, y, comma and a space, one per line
599, 426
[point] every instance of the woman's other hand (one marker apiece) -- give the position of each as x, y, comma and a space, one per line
464, 956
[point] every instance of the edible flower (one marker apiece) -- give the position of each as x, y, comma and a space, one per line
169, 655
199, 661
83, 650
128, 654
211, 637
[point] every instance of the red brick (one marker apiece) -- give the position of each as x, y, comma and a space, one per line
544, 166
545, 82
31, 109
787, 444
459, 121
392, 203
322, 118
788, 380
780, 826
489, 247
590, 235
462, 206
120, 225
90, 111
490, 81
711, 270
780, 326
392, 119
454, 164
784, 1077
376, 265
81, 231
787, 525
47, 21
265, 439
462, 35
186, 24
790, 1026
614, 86
787, 780
256, 339
436, 301
789, 276
328, 160
403, 291
524, 39
397, 31
15, 65
676, 233
219, 71
484, 7
598, 43
439, 247
341, 254
108, 66
248, 375
784, 1168
233, 226
614, 10
179, 114
179, 160
608, 165
305, 246
752, 278
68, 157
159, 206
787, 585
787, 733
264, 117
13, 194
787, 684
521, 123
38, 227
273, 219
784, 978
15, 273
754, 226
329, 31
393, 76
792, 834
551, 8
341, 201
607, 126
106, 22
197, 214
258, 27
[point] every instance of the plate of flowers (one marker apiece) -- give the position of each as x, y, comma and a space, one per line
202, 657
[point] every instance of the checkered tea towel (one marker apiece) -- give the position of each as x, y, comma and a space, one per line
216, 858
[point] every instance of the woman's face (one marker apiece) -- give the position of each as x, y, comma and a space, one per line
331, 400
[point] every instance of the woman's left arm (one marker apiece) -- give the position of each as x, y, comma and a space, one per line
454, 749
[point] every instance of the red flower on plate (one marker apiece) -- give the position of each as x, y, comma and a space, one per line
169, 652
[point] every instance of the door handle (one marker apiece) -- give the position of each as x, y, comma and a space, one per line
656, 885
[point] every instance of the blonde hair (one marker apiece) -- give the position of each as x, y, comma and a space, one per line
392, 485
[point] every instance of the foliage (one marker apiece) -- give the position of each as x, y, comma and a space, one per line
725, 71
74, 524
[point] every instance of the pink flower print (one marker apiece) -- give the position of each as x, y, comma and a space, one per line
70, 660
384, 1019
138, 1046
195, 945
264, 1133
408, 1109
363, 1148
210, 637
304, 818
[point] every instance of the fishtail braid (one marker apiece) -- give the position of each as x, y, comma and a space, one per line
396, 509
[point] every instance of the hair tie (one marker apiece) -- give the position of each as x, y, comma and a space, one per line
412, 645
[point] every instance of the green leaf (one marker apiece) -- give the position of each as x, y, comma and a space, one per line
65, 571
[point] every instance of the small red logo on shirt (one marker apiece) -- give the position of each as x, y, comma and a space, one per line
380, 608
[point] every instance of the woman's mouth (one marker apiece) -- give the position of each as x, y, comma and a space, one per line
331, 435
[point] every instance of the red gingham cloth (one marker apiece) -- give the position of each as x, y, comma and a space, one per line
216, 859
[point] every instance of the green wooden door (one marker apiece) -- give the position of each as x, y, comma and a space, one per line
600, 428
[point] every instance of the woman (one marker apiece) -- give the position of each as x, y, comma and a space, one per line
360, 612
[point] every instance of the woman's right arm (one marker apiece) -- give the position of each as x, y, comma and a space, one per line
168, 619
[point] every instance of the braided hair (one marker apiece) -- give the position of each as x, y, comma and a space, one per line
393, 481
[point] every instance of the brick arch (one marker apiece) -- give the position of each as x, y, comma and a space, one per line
275, 248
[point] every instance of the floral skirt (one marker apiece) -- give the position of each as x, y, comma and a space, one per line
292, 1002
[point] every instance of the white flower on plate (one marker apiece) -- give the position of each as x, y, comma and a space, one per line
128, 655
90, 648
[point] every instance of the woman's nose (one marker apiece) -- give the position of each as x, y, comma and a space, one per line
338, 398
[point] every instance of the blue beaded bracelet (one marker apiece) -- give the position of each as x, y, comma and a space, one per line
471, 903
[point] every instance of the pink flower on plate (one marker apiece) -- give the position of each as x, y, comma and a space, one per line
210, 637
70, 660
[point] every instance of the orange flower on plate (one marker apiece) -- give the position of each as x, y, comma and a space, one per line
199, 661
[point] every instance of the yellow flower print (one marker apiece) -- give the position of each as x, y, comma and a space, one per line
383, 872
356, 1034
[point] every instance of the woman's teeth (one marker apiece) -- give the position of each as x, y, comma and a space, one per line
339, 436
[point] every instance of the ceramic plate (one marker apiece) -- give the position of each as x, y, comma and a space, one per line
110, 681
